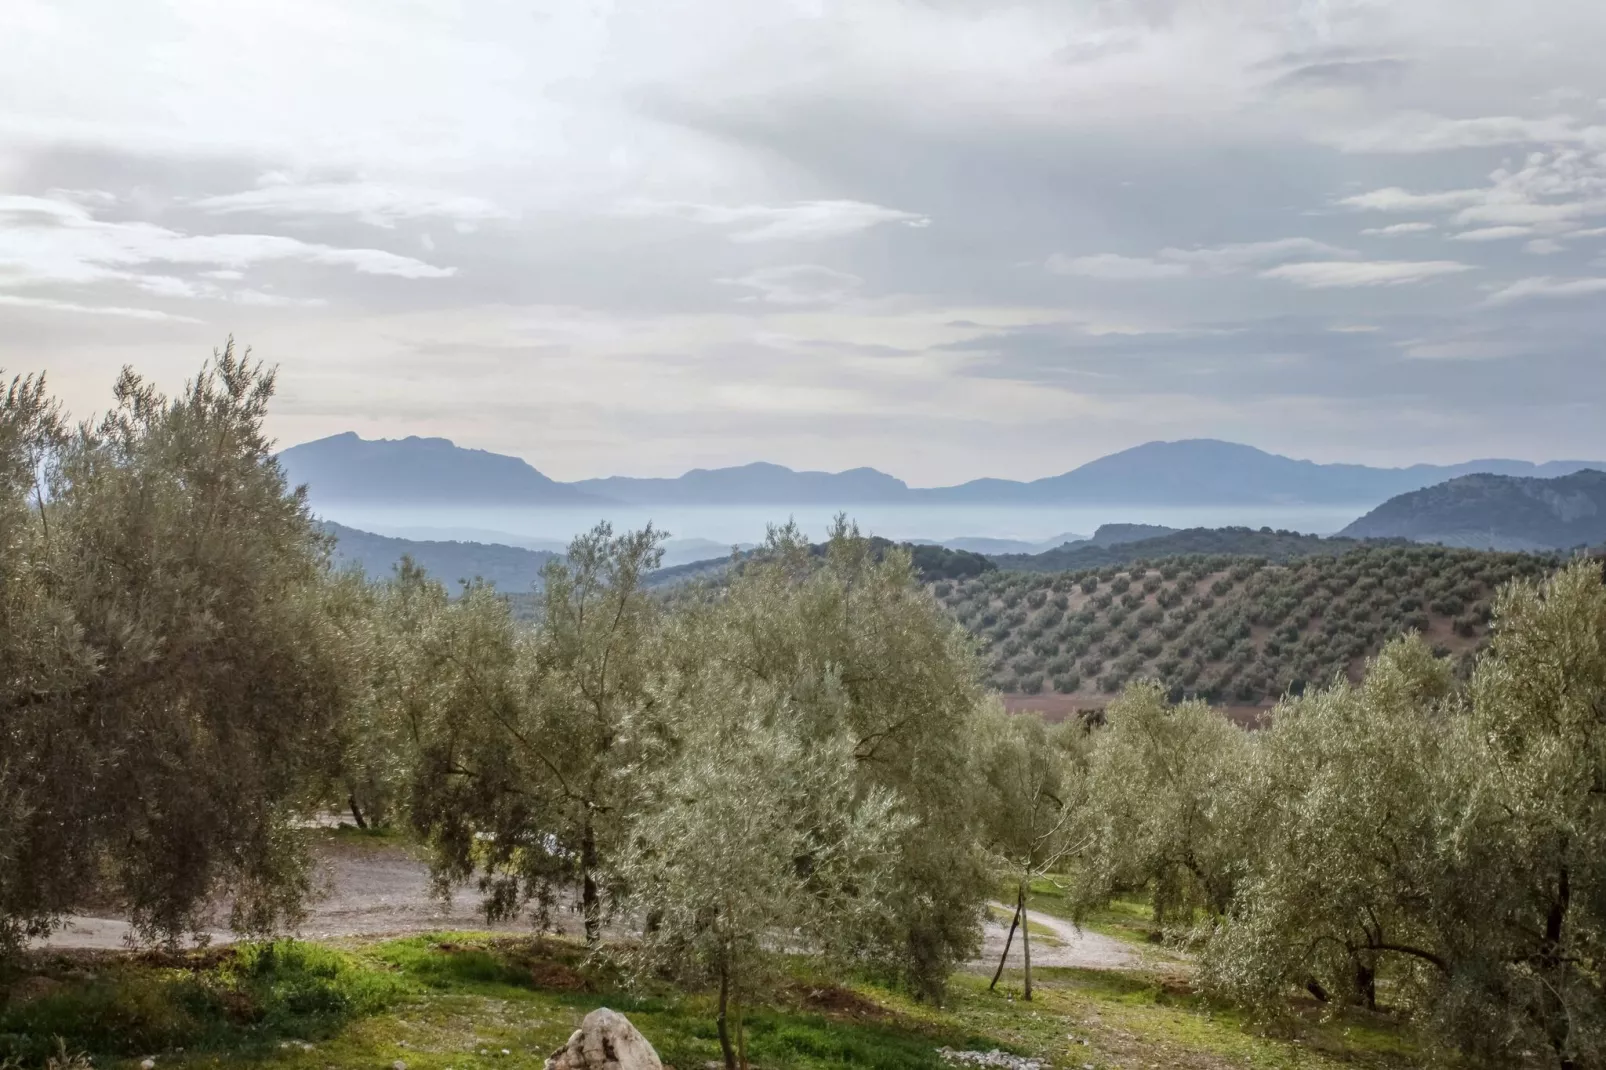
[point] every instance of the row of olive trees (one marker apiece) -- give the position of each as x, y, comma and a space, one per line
787, 765
1411, 841
790, 764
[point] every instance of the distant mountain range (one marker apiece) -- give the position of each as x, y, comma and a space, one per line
1496, 512
426, 471
751, 484
432, 471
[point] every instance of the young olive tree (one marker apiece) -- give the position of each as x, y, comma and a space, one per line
859, 651
1033, 777
531, 743
1159, 818
171, 674
754, 842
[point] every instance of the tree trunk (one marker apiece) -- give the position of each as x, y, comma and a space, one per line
1557, 1024
590, 901
356, 812
1010, 939
720, 1019
1026, 941
1366, 984
1314, 987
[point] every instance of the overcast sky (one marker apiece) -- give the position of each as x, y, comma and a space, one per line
946, 238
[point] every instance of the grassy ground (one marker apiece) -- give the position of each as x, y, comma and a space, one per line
466, 1002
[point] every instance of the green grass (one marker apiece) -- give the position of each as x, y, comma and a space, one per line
459, 1000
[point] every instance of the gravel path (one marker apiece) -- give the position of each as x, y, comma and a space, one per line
383, 888
368, 889
1077, 947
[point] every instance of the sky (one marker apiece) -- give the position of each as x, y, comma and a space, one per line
944, 238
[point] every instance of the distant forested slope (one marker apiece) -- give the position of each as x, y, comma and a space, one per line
1496, 512
1264, 542
1230, 629
510, 568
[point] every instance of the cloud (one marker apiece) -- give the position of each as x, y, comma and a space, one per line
1492, 234
1523, 214
1544, 247
1546, 286
44, 242
1323, 275
1396, 229
77, 309
1174, 263
1115, 268
1421, 132
797, 285
1395, 199
375, 204
803, 221
1140, 139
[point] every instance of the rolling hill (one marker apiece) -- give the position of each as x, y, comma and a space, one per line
1234, 630
511, 568
1496, 512
1250, 542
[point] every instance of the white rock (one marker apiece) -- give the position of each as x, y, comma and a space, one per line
398, 1065
148, 1064
605, 1041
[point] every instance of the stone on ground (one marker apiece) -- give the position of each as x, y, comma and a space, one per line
605, 1041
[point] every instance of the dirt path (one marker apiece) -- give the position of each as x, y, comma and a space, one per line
378, 888
368, 889
1075, 947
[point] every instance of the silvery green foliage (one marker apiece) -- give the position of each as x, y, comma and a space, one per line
169, 673
1159, 817
1034, 778
1359, 815
858, 651
755, 841
528, 743
1442, 851
1537, 980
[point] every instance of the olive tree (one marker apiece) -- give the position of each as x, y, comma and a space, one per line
859, 651
530, 741
170, 674
1538, 713
754, 842
1158, 819
1033, 778
1449, 842
1359, 801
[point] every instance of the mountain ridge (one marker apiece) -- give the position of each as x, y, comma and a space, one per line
1186, 472
1501, 512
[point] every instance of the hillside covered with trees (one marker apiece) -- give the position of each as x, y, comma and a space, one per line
509, 568
1496, 512
1233, 630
